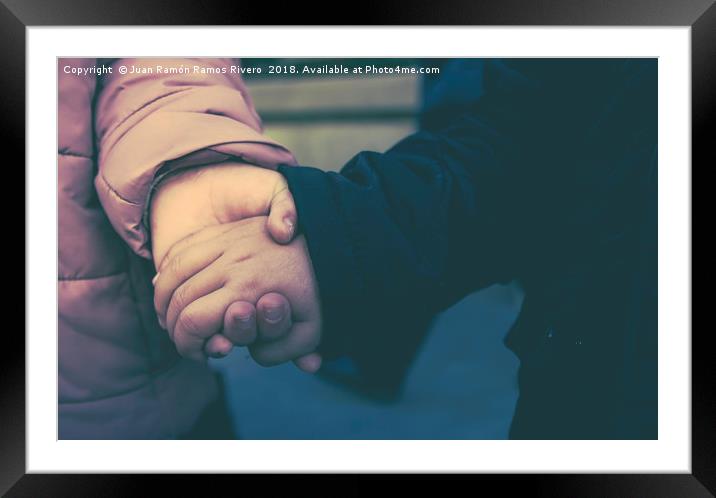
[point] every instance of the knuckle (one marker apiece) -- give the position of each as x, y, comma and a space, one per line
251, 282
180, 297
171, 253
186, 322
242, 283
175, 264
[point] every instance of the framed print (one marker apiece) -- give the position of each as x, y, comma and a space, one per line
461, 248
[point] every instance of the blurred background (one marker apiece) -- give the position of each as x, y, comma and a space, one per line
463, 382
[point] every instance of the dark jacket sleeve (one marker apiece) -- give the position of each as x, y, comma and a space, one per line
403, 235
408, 232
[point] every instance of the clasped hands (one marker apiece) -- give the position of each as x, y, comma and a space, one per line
230, 270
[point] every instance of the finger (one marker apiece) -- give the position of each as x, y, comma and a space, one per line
302, 339
182, 268
218, 346
309, 363
273, 316
282, 219
240, 323
203, 235
199, 321
201, 284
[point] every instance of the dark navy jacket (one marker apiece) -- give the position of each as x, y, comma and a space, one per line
537, 170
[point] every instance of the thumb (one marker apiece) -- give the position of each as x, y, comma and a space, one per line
282, 217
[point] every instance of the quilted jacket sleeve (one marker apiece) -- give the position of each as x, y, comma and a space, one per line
169, 116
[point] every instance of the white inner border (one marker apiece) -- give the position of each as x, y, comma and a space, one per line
670, 453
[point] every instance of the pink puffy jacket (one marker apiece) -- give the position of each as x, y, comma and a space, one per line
119, 376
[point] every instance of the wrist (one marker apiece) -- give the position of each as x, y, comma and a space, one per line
173, 211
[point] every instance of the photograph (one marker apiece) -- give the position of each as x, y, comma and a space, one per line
443, 248
457, 243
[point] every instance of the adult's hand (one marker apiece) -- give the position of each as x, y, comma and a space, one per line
211, 195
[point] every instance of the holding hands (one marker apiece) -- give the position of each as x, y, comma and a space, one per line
229, 270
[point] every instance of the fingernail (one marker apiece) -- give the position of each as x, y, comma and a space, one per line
154, 280
243, 318
289, 224
161, 322
273, 315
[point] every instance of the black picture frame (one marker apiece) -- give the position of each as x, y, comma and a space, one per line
700, 15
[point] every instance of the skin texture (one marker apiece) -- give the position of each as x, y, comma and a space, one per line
205, 273
214, 195
244, 324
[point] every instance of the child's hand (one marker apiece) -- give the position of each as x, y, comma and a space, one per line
208, 271
215, 194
